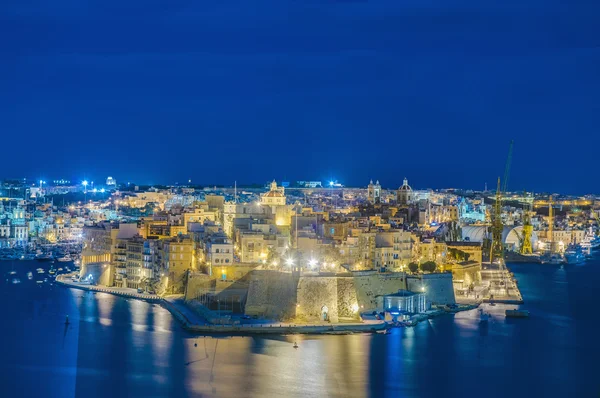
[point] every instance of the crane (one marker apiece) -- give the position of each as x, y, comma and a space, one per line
496, 248
526, 247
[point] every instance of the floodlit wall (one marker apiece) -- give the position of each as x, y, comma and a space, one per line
272, 294
315, 293
437, 287
370, 284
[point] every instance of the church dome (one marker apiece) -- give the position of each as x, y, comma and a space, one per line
405, 186
273, 194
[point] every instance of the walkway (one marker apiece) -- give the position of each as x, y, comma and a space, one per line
119, 291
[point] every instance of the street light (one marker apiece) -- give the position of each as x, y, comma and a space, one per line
289, 261
312, 263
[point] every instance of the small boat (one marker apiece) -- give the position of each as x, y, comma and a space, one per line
30, 275
16, 281
44, 257
12, 272
40, 271
52, 272
65, 259
517, 313
39, 282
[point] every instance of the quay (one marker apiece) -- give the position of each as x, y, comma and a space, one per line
193, 323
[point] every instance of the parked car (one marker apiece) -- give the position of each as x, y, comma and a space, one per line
140, 290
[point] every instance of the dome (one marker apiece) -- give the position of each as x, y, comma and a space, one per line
273, 194
405, 186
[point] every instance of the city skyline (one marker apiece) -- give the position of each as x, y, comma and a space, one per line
101, 182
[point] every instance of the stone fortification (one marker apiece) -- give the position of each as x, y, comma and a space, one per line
272, 294
370, 284
437, 287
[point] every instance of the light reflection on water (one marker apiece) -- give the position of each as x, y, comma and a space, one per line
121, 347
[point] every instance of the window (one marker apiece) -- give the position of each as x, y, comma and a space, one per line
216, 261
226, 260
217, 251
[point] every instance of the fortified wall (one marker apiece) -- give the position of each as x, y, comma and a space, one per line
370, 284
272, 294
437, 287
333, 295
281, 295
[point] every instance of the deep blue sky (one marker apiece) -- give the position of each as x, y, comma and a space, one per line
162, 91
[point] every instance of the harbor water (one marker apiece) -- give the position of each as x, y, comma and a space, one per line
114, 347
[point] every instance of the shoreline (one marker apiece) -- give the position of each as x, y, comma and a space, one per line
280, 328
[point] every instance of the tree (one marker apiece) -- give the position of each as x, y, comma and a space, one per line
413, 267
428, 266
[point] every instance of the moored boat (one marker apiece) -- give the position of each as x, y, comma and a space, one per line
574, 255
517, 313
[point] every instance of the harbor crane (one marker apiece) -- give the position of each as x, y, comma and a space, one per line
497, 249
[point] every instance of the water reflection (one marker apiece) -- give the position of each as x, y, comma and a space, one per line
143, 351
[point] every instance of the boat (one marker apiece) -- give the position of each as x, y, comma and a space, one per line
39, 282
554, 258
44, 257
60, 269
52, 272
574, 255
30, 275
12, 272
65, 259
16, 281
517, 313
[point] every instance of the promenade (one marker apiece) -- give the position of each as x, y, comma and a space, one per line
119, 291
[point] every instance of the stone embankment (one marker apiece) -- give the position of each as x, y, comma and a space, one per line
193, 322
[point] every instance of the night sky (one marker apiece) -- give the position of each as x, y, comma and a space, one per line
216, 91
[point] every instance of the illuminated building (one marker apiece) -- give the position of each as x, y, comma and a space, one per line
374, 192
390, 250
176, 258
14, 231
405, 194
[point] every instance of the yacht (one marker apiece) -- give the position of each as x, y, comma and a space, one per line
65, 258
553, 258
574, 255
